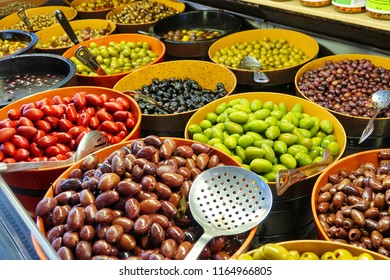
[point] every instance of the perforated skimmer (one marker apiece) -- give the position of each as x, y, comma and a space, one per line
227, 200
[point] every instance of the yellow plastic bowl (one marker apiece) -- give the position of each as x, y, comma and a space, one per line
308, 107
110, 80
9, 21
348, 163
104, 153
353, 125
134, 28
319, 247
45, 35
277, 77
207, 74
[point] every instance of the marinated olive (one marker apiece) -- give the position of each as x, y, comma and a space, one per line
272, 54
192, 35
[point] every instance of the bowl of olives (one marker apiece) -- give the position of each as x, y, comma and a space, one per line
141, 15
53, 39
15, 42
96, 9
118, 55
181, 87
40, 18
350, 201
280, 52
190, 34
27, 74
8, 7
343, 84
152, 223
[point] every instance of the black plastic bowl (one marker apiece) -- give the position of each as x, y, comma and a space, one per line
206, 19
19, 35
34, 64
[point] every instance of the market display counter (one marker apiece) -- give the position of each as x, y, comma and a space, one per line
357, 28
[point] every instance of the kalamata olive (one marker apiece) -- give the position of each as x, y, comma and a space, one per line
175, 233
376, 239
128, 188
83, 250
182, 250
148, 206
168, 248
70, 239
104, 216
221, 255
168, 209
46, 205
54, 232
108, 181
75, 218
106, 198
65, 253
384, 224
183, 151
202, 161
162, 190
142, 224
59, 214
157, 234
127, 242
87, 232
173, 180
148, 182
90, 213
101, 247
86, 197
114, 233
126, 223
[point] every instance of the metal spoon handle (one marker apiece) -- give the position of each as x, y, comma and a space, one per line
66, 26
260, 77
23, 166
23, 16
84, 55
198, 246
148, 99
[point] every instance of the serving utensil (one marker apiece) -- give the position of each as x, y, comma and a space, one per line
85, 56
380, 101
251, 63
91, 142
61, 18
285, 178
227, 200
24, 17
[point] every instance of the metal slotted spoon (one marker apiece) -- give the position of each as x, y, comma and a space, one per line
251, 63
380, 101
227, 200
91, 142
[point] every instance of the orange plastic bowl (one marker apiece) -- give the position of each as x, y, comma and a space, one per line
45, 35
30, 186
110, 80
348, 163
134, 28
104, 153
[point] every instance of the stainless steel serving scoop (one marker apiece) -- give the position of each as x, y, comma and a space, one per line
85, 56
146, 98
227, 200
24, 17
285, 178
380, 101
251, 63
91, 142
